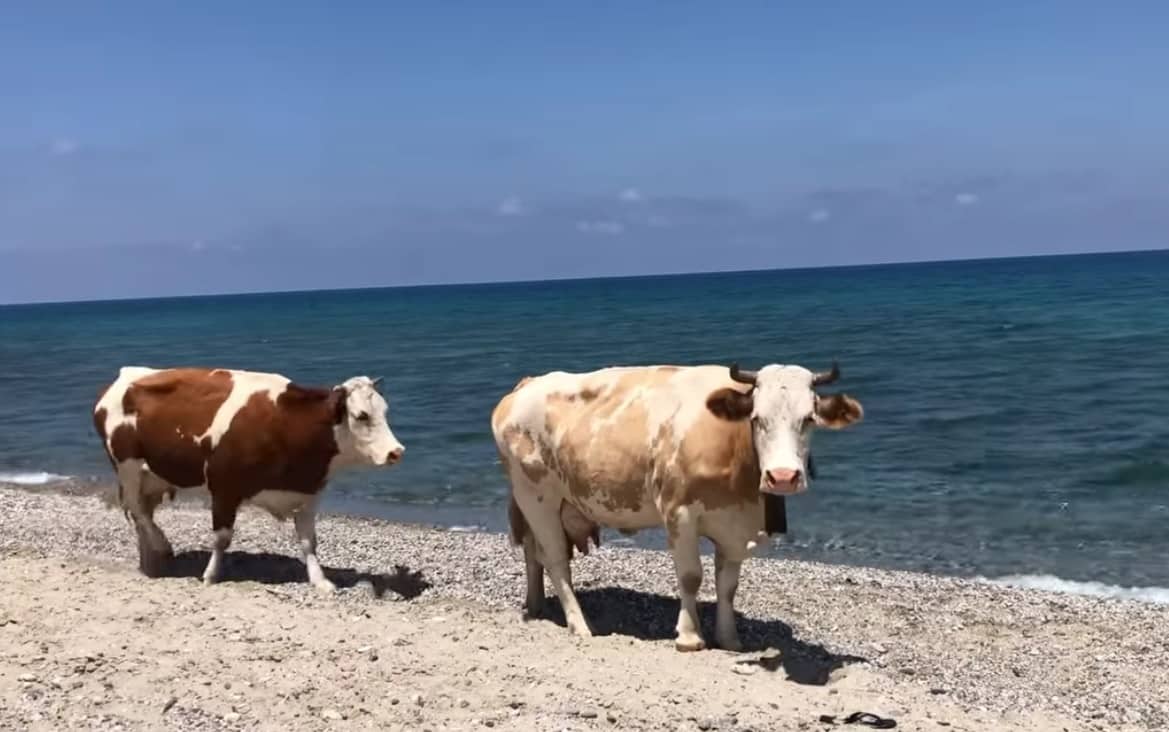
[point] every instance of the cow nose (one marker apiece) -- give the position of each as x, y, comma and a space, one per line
783, 476
395, 455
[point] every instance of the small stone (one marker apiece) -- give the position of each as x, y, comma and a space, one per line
938, 691
488, 723
745, 669
394, 702
419, 700
706, 724
611, 718
332, 715
515, 704
169, 703
587, 714
26, 678
231, 717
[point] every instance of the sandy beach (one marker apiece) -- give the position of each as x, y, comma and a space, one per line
426, 632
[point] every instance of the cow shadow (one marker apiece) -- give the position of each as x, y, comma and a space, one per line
646, 616
279, 569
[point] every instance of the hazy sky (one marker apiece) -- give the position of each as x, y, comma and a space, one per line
167, 148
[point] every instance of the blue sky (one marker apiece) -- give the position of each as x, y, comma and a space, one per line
173, 148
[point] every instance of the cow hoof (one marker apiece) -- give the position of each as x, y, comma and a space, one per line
209, 580
325, 587
582, 631
690, 645
731, 644
154, 565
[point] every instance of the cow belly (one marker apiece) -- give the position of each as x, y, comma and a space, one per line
623, 514
282, 504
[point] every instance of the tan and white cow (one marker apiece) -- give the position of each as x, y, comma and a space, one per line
246, 437
702, 450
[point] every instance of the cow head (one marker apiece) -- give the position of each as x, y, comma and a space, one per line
362, 423
783, 407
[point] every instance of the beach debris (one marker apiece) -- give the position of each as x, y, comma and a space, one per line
866, 719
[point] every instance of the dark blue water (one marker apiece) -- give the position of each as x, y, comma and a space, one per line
1017, 414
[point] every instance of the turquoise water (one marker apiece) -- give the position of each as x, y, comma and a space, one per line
1016, 410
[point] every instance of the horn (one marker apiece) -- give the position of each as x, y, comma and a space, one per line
826, 377
378, 381
743, 377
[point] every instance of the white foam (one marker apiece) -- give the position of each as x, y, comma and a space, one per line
466, 529
1051, 583
31, 478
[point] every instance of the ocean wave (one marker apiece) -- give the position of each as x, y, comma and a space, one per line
1051, 583
31, 477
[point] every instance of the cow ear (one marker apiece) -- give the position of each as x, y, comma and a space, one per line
340, 399
730, 404
838, 411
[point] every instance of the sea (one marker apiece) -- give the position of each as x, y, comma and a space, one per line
1016, 410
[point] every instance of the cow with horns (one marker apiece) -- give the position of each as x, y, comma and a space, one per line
703, 450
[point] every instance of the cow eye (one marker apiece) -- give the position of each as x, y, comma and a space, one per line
363, 417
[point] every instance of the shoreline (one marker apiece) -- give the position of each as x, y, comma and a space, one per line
479, 519
924, 648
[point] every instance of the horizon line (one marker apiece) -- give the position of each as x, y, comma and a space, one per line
570, 279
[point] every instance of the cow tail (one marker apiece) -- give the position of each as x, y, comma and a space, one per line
516, 521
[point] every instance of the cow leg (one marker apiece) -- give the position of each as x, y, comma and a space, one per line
154, 490
139, 502
726, 580
683, 536
306, 534
543, 518
535, 576
223, 512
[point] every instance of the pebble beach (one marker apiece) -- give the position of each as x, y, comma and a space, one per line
426, 632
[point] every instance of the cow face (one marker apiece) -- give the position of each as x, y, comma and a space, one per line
783, 408
362, 423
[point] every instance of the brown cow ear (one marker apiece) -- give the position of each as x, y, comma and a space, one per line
730, 404
340, 397
838, 411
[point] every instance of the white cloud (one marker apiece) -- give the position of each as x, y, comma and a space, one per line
63, 146
631, 195
819, 216
607, 228
511, 206
966, 199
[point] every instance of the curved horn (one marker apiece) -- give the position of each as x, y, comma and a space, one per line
743, 377
378, 381
826, 377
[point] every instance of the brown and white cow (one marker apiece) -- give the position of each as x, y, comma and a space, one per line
702, 450
246, 437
